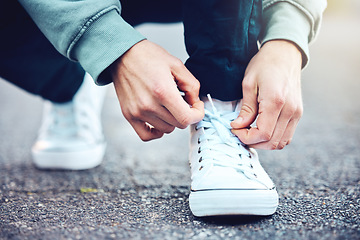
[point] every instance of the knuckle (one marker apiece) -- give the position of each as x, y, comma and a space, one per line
247, 108
290, 112
248, 85
282, 144
273, 145
299, 112
146, 108
159, 92
127, 115
266, 136
178, 63
279, 100
144, 138
135, 113
195, 86
184, 121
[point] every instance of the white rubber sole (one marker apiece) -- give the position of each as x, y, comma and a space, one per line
233, 202
76, 160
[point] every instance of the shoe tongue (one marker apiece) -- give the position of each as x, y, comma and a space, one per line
222, 106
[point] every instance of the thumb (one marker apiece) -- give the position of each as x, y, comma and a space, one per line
248, 111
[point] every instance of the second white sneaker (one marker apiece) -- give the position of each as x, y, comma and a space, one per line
227, 178
71, 137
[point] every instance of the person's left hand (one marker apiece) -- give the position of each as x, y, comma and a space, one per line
272, 94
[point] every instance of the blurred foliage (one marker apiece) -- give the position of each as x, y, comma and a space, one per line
90, 190
342, 6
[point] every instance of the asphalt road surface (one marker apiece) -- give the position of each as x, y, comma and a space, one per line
141, 189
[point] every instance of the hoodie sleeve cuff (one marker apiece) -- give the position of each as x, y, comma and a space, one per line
284, 21
106, 39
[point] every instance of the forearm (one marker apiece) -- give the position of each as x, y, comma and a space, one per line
297, 21
91, 32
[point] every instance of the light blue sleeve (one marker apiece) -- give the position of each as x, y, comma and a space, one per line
297, 21
89, 31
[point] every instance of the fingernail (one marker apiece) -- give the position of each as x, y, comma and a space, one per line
238, 120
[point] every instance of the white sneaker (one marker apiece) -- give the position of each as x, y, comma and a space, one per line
227, 178
71, 134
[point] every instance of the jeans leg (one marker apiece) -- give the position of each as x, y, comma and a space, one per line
136, 12
221, 38
28, 60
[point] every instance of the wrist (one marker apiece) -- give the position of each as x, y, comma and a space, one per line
286, 50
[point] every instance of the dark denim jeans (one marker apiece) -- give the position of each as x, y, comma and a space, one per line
28, 60
220, 36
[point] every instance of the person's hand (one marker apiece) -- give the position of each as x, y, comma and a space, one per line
272, 94
147, 81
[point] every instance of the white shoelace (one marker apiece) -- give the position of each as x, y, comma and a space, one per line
220, 146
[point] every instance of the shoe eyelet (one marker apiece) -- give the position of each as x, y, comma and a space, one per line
198, 141
249, 155
251, 166
255, 175
200, 159
201, 168
240, 155
199, 150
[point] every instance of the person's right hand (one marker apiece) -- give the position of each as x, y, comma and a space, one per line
147, 81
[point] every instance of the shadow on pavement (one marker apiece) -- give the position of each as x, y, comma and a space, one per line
232, 220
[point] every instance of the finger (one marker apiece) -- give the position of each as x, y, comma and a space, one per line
285, 140
294, 115
182, 112
249, 107
266, 123
144, 131
275, 141
159, 124
288, 134
164, 115
290, 131
187, 83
